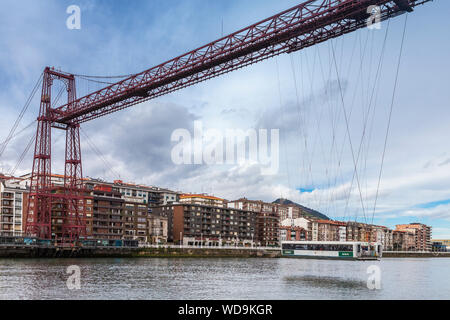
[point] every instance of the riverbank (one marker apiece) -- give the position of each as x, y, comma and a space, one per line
171, 252
153, 252
409, 254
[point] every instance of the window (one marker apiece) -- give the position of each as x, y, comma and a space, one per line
318, 247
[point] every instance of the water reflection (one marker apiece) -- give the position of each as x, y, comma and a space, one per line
227, 279
327, 282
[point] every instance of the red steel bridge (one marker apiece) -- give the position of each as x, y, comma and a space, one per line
302, 26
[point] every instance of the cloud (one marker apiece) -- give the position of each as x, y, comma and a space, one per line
138, 140
438, 212
445, 162
291, 115
441, 233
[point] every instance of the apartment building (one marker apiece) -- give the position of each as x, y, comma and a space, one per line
268, 227
284, 213
119, 217
135, 221
302, 225
422, 234
126, 212
59, 213
202, 199
268, 219
442, 242
129, 192
158, 229
160, 197
59, 206
293, 233
193, 224
403, 240
382, 235
108, 221
13, 203
168, 197
138, 193
328, 230
358, 232
248, 205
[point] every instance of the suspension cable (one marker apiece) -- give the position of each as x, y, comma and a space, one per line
98, 152
104, 77
371, 105
23, 155
390, 115
21, 114
21, 131
348, 132
94, 81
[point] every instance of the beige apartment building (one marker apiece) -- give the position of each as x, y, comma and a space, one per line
403, 241
158, 229
422, 234
13, 203
202, 199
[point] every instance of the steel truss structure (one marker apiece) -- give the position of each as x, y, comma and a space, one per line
302, 26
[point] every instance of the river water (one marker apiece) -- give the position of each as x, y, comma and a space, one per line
229, 279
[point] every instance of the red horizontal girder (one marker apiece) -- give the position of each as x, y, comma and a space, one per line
302, 26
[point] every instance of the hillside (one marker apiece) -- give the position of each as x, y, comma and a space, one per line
309, 211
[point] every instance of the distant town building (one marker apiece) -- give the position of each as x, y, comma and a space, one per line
383, 235
168, 197
267, 221
328, 230
113, 210
202, 199
293, 233
128, 211
422, 235
284, 213
357, 231
59, 213
403, 241
289, 212
131, 192
443, 242
158, 229
268, 227
438, 246
108, 220
298, 226
201, 225
117, 216
13, 203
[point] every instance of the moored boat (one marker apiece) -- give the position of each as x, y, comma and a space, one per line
332, 250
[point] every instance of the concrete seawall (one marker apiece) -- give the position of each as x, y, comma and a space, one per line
163, 252
171, 252
393, 254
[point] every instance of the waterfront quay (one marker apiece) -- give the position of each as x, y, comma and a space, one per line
415, 254
167, 251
